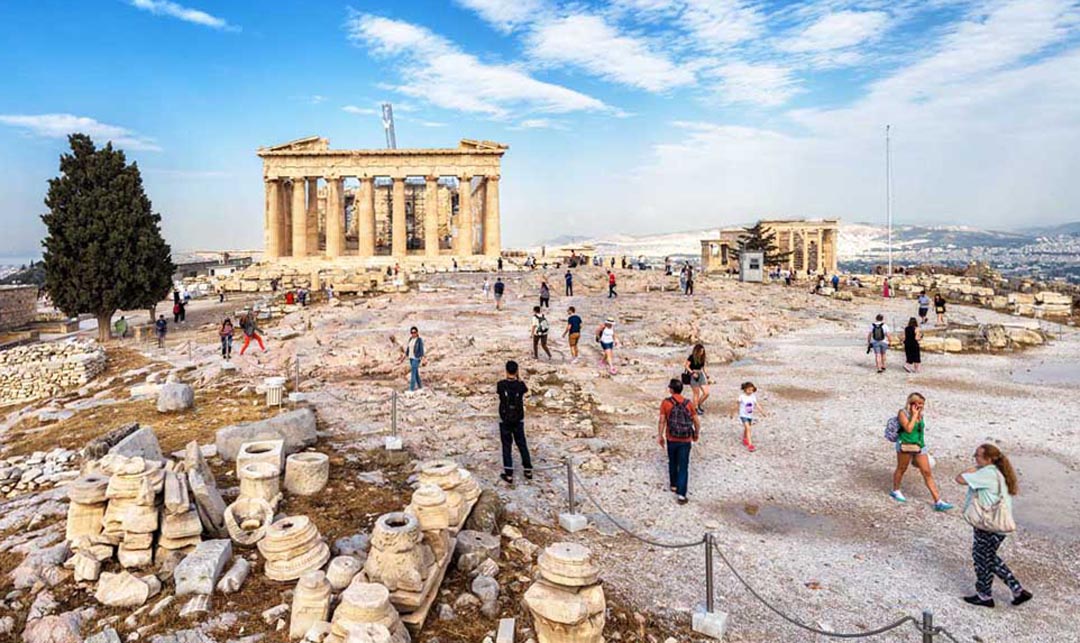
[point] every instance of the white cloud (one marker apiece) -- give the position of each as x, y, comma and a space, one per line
539, 123
60, 125
437, 71
718, 24
590, 43
432, 124
505, 15
180, 12
763, 84
365, 111
838, 30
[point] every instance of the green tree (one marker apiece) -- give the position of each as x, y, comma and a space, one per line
104, 250
759, 238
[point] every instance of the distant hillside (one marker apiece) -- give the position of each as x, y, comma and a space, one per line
1064, 229
32, 274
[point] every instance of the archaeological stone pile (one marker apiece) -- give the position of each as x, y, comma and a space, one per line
40, 370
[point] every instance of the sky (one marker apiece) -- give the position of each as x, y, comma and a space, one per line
622, 116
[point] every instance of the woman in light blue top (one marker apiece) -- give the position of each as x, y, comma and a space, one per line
991, 480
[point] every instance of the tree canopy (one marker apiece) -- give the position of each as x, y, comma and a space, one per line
103, 250
759, 238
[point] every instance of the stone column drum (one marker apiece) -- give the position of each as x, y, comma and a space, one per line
567, 600
311, 603
86, 513
364, 603
429, 507
260, 480
306, 473
291, 547
399, 559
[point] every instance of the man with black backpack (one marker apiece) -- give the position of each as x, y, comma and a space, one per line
678, 429
877, 340
512, 422
539, 330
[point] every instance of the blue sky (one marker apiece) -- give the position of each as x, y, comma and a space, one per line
622, 116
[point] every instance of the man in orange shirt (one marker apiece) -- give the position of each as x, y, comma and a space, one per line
678, 429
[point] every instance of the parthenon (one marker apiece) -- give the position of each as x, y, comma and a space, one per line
811, 244
323, 203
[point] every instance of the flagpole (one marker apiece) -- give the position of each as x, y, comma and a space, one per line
888, 195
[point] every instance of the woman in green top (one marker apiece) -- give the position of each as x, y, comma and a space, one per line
911, 447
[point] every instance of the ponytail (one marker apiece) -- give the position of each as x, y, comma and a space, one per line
999, 460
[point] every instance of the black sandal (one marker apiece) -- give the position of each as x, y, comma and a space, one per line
507, 478
528, 474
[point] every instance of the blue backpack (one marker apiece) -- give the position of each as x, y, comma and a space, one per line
892, 429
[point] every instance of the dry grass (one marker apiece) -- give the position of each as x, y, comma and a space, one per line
799, 394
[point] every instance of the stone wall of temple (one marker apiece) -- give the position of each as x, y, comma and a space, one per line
18, 306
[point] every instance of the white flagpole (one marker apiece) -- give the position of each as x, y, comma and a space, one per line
888, 194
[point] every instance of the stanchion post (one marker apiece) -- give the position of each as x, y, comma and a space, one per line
709, 589
927, 626
393, 414
570, 485
296, 376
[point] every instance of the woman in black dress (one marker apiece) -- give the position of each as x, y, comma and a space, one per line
912, 352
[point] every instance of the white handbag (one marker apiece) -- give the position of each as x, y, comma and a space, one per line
997, 518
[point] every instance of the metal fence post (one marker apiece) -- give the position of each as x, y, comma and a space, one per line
189, 351
709, 589
570, 485
296, 377
393, 414
927, 626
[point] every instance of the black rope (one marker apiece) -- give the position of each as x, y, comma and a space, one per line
647, 541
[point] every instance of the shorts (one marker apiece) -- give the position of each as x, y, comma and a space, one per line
940, 311
922, 451
746, 420
923, 311
498, 296
607, 345
574, 337
880, 348
698, 379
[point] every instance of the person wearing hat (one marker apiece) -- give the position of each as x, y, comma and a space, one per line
605, 334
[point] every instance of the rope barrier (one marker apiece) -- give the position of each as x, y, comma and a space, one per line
647, 541
809, 628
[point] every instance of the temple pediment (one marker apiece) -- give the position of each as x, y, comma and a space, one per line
308, 144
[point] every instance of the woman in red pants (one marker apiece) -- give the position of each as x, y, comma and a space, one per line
251, 331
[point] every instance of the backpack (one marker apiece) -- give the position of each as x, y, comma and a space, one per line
680, 423
542, 325
892, 429
878, 332
513, 408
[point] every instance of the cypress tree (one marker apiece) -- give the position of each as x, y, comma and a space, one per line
103, 249
759, 238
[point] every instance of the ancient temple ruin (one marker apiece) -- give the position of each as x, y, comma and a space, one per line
812, 244
394, 203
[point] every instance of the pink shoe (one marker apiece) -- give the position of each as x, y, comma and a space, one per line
751, 448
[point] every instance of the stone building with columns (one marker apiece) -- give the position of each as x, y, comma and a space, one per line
812, 244
390, 204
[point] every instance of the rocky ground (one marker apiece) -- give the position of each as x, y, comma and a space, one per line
806, 519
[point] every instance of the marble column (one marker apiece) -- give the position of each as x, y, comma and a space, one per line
335, 218
492, 232
397, 221
464, 244
805, 250
365, 216
791, 250
431, 216
273, 221
285, 221
313, 215
299, 219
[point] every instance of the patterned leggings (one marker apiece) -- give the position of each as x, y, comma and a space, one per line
988, 564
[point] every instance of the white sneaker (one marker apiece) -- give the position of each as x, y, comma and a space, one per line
898, 496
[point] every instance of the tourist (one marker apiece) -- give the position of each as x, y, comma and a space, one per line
397, 269
499, 264
678, 429
749, 409
221, 294
787, 277
605, 334
302, 294
176, 296
251, 331
226, 334
274, 284
539, 332
697, 377
924, 307
939, 307
545, 294
120, 328
912, 352
836, 282
414, 352
499, 289
689, 288
682, 279
877, 340
611, 284
886, 291
330, 292
161, 327
573, 332
455, 264
911, 447
569, 277
176, 310
613, 263
486, 288
512, 422
991, 481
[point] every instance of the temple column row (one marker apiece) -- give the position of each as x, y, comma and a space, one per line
291, 221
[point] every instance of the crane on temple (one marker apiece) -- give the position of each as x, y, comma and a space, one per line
388, 126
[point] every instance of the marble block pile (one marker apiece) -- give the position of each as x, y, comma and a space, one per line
39, 370
20, 473
567, 600
461, 488
291, 547
133, 513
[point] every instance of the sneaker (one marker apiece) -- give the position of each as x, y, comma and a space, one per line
941, 505
1021, 598
898, 496
528, 474
701, 410
673, 489
507, 478
681, 500
975, 599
